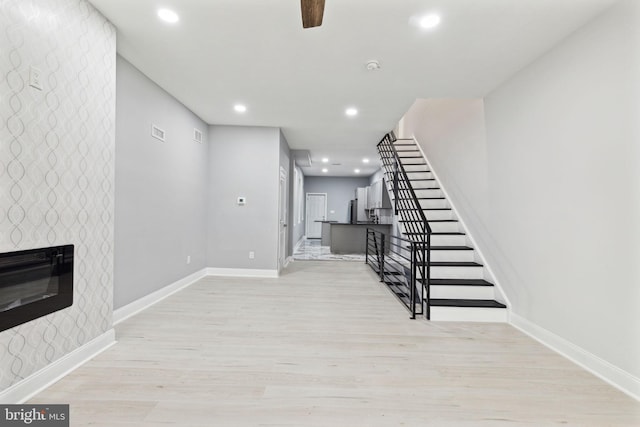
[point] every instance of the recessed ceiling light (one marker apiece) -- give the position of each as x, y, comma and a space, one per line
325, 160
365, 160
351, 112
325, 170
240, 108
356, 170
429, 21
168, 16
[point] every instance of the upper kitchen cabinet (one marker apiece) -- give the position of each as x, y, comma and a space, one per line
378, 197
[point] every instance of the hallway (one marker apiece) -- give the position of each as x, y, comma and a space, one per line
325, 344
312, 250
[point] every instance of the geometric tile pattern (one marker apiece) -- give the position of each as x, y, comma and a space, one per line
57, 166
312, 250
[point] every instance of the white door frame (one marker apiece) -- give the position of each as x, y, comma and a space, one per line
306, 211
282, 218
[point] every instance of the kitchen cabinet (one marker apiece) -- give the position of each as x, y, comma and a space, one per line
378, 196
361, 197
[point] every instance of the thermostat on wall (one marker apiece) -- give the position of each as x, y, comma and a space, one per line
242, 201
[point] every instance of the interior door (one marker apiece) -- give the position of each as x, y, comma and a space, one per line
316, 211
282, 217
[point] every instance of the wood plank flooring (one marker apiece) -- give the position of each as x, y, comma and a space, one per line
325, 345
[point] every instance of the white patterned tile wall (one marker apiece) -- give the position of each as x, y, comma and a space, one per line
57, 166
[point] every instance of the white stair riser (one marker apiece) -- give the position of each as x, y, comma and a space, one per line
448, 240
433, 215
408, 228
419, 168
412, 160
412, 176
436, 227
456, 272
435, 203
442, 227
428, 193
405, 145
468, 314
452, 256
462, 292
419, 185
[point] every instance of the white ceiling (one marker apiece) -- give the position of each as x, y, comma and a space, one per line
256, 52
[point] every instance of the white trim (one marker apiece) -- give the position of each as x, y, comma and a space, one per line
620, 379
147, 301
242, 272
287, 261
45, 377
474, 244
300, 241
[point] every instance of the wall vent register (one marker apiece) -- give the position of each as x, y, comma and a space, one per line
34, 283
157, 133
197, 135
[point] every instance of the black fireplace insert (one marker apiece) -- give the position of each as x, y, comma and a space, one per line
34, 283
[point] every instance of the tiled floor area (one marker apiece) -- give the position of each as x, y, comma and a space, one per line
312, 250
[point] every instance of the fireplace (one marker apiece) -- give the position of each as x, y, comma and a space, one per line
34, 283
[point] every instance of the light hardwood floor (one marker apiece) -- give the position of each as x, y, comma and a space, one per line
325, 345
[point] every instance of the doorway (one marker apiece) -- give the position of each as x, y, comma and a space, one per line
316, 209
282, 220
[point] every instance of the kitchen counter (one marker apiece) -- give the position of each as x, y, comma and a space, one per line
349, 238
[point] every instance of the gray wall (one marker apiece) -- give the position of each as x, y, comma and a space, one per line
160, 214
243, 161
56, 167
340, 190
546, 173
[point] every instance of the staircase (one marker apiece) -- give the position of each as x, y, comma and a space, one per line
450, 283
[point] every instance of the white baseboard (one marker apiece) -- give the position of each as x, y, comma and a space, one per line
34, 384
242, 272
620, 379
147, 301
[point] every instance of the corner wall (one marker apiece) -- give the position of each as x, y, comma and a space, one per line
160, 214
549, 183
57, 167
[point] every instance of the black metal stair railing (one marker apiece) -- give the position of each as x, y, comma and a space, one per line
403, 263
397, 267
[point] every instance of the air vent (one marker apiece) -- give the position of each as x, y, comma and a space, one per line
157, 133
197, 135
336, 164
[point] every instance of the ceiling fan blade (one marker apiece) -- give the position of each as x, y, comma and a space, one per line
312, 11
